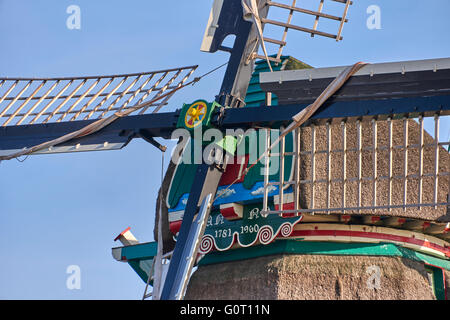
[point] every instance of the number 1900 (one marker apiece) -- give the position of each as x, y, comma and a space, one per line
249, 229
226, 233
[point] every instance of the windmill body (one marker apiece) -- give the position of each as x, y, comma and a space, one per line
356, 183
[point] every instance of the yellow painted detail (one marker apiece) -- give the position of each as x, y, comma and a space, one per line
195, 114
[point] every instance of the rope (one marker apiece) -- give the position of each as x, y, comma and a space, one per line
306, 113
251, 13
209, 72
101, 123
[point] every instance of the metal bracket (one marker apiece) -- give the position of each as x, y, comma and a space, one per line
147, 137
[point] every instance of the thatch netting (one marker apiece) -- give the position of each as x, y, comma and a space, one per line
398, 156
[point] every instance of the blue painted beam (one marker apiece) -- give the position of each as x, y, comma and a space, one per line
118, 132
383, 108
162, 124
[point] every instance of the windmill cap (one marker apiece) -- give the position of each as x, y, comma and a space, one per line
127, 229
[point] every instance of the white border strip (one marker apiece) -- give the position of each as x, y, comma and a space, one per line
370, 69
68, 149
372, 234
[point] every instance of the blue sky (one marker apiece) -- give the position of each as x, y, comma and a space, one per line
61, 210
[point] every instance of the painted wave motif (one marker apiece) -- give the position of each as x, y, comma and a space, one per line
221, 234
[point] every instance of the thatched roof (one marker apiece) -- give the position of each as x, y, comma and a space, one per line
311, 277
398, 185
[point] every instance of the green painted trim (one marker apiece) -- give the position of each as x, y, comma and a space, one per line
254, 174
438, 281
146, 251
135, 264
224, 233
138, 253
228, 143
322, 248
206, 122
142, 251
253, 88
262, 62
441, 263
255, 96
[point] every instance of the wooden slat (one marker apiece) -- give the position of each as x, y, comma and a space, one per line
291, 12
316, 21
306, 11
281, 43
343, 20
416, 225
394, 221
257, 56
86, 97
343, 1
438, 228
307, 30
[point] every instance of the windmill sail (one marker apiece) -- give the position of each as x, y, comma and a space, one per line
302, 17
29, 104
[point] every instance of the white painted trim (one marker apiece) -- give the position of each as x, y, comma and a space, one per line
370, 69
372, 239
71, 149
117, 254
176, 216
287, 198
211, 26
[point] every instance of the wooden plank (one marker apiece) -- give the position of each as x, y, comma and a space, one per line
307, 30
306, 11
394, 221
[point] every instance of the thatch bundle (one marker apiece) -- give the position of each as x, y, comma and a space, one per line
311, 277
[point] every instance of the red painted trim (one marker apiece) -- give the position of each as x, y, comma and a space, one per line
288, 215
175, 226
235, 169
375, 219
229, 213
346, 218
286, 206
373, 235
122, 233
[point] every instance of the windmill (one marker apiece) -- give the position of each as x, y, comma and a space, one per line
40, 115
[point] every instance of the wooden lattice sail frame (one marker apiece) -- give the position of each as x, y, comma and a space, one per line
45, 100
296, 9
